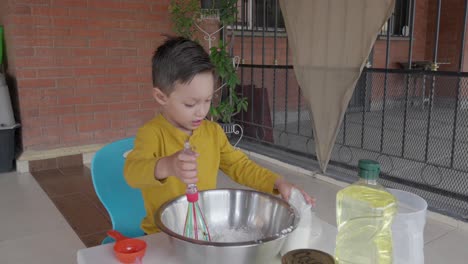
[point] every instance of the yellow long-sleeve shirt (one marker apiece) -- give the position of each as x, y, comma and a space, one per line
158, 138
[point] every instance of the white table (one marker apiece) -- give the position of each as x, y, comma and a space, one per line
160, 250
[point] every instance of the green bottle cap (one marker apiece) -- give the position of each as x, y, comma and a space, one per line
369, 169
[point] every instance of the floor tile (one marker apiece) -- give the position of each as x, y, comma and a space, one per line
81, 214
93, 239
70, 161
450, 248
61, 182
39, 165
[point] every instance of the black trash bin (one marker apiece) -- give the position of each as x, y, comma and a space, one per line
7, 147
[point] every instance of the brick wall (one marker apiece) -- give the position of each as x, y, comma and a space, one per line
83, 68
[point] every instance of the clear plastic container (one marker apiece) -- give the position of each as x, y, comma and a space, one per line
408, 228
365, 212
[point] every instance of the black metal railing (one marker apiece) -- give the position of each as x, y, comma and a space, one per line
415, 123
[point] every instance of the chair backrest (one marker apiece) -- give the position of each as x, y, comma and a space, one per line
123, 203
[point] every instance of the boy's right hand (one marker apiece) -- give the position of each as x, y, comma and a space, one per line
182, 164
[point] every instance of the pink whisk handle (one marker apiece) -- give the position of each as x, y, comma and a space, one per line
192, 197
192, 193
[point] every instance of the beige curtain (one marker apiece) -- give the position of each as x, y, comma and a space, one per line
330, 42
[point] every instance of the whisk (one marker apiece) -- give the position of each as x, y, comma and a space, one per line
195, 225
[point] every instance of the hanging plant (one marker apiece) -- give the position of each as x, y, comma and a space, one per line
184, 15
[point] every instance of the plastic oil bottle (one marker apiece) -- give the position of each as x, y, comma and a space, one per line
364, 213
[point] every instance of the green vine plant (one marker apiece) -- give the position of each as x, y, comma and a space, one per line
232, 103
184, 15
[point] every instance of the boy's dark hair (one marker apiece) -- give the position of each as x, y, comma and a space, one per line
178, 59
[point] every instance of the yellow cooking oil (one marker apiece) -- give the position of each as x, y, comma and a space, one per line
364, 213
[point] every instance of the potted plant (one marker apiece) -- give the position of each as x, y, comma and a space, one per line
187, 17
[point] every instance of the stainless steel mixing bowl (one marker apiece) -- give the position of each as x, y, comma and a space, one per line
263, 219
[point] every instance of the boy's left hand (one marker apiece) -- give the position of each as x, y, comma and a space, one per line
284, 188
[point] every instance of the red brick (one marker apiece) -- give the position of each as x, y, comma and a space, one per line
134, 43
104, 23
75, 119
160, 7
24, 52
148, 105
109, 116
93, 126
85, 32
104, 43
120, 35
118, 15
57, 110
108, 98
78, 138
132, 78
21, 10
123, 106
33, 41
18, 30
90, 71
70, 22
52, 32
41, 142
109, 135
61, 91
59, 131
33, 2
70, 3
106, 80
115, 124
133, 95
57, 72
52, 51
147, 35
106, 61
30, 133
145, 52
37, 83
140, 114
105, 4
135, 6
75, 100
89, 52
50, 11
30, 112
122, 52
73, 61
40, 121
71, 42
92, 108
26, 74
133, 24
122, 70
30, 20
42, 101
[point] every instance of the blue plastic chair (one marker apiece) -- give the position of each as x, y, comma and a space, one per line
123, 203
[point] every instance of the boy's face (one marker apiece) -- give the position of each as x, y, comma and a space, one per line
188, 104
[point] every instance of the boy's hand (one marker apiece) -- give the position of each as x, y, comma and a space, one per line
182, 164
284, 188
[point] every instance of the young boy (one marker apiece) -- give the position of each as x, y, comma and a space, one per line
183, 80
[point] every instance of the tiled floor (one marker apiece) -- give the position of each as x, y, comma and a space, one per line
32, 219
71, 190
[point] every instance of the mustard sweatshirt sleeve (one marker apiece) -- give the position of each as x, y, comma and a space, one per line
140, 162
241, 169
